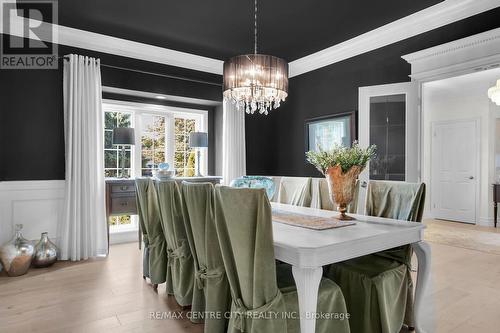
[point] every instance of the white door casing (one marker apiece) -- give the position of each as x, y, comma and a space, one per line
455, 159
412, 129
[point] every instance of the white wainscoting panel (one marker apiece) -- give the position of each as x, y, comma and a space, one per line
35, 204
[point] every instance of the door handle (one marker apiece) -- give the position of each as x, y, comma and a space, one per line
471, 177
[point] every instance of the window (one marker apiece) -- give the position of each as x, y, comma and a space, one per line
153, 150
120, 222
185, 157
112, 153
112, 160
163, 133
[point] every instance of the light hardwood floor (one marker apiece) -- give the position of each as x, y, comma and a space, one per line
109, 295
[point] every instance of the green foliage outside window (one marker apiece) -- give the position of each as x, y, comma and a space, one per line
112, 154
153, 143
120, 220
189, 171
183, 153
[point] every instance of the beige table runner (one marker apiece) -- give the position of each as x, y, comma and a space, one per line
308, 221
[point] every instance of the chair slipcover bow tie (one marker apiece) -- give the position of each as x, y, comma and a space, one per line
180, 252
203, 273
242, 313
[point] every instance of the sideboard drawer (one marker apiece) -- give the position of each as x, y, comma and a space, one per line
119, 188
496, 192
123, 205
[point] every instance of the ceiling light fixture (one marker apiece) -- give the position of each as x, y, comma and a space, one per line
494, 93
255, 81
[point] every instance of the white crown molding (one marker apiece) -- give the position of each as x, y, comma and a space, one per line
457, 45
462, 56
436, 16
121, 47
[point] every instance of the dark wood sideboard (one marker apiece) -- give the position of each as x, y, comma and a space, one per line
121, 198
496, 199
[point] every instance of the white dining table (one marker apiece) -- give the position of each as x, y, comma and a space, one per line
308, 250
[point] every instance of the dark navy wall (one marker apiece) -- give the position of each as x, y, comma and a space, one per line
275, 144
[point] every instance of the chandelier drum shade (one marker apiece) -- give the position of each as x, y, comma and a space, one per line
256, 82
494, 93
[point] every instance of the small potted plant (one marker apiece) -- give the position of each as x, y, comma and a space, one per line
341, 167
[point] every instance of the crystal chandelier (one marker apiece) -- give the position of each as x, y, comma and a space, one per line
255, 81
494, 93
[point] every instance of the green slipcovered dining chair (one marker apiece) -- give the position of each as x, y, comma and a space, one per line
180, 260
276, 181
211, 280
244, 229
321, 197
155, 247
295, 191
378, 288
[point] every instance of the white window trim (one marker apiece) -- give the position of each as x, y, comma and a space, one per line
138, 109
169, 112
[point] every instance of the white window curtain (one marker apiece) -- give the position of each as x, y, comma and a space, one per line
233, 143
83, 229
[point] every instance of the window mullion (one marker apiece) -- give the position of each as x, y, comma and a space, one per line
170, 139
137, 156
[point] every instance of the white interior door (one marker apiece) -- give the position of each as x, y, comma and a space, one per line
455, 170
389, 118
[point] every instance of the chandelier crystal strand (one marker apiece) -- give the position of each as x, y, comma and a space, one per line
255, 29
256, 82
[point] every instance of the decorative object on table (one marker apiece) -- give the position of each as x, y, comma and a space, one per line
494, 93
309, 221
123, 136
16, 255
198, 140
323, 133
341, 167
255, 82
163, 171
45, 252
256, 182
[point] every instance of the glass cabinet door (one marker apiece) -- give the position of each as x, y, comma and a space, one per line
388, 133
389, 118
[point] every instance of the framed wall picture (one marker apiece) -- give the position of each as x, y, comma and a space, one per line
323, 133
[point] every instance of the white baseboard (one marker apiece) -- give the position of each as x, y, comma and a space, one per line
486, 222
